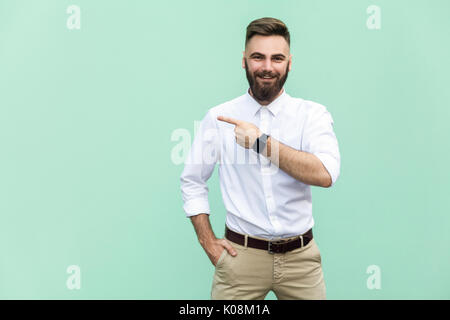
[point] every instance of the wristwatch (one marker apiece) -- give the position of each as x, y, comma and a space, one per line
260, 143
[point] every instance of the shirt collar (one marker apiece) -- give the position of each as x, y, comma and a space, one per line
274, 107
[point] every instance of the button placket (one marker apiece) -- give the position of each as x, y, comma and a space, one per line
266, 173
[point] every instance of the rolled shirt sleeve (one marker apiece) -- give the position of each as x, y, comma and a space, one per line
199, 166
319, 139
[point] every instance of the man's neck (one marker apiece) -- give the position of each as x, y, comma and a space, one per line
265, 102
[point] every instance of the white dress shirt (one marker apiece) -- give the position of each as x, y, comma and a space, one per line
260, 199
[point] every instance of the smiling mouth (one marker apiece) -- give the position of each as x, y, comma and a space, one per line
266, 78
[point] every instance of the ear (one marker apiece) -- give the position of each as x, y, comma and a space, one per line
243, 59
290, 62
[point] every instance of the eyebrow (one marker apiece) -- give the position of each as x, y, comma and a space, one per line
274, 55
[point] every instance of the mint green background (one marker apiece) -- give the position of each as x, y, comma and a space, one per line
86, 118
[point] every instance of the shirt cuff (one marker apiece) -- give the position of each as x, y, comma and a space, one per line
196, 206
331, 164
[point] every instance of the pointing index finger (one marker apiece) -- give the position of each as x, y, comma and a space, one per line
228, 119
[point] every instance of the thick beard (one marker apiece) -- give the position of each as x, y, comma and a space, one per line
265, 92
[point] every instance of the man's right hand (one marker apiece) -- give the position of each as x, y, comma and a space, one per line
215, 248
212, 246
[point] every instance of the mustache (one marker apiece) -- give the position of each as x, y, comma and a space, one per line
266, 74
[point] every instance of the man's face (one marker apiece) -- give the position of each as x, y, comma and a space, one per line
267, 62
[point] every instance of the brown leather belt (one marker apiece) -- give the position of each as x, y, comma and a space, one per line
278, 246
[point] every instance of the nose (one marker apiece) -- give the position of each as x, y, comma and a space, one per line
267, 66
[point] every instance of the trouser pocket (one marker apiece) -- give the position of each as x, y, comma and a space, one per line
221, 258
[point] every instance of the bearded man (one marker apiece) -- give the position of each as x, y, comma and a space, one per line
271, 148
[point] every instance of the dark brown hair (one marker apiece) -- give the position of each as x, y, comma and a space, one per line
267, 27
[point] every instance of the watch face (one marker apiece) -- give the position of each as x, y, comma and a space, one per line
263, 137
260, 143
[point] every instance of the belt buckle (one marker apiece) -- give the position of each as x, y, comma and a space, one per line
269, 247
270, 243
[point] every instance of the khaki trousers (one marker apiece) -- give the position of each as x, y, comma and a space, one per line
252, 273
